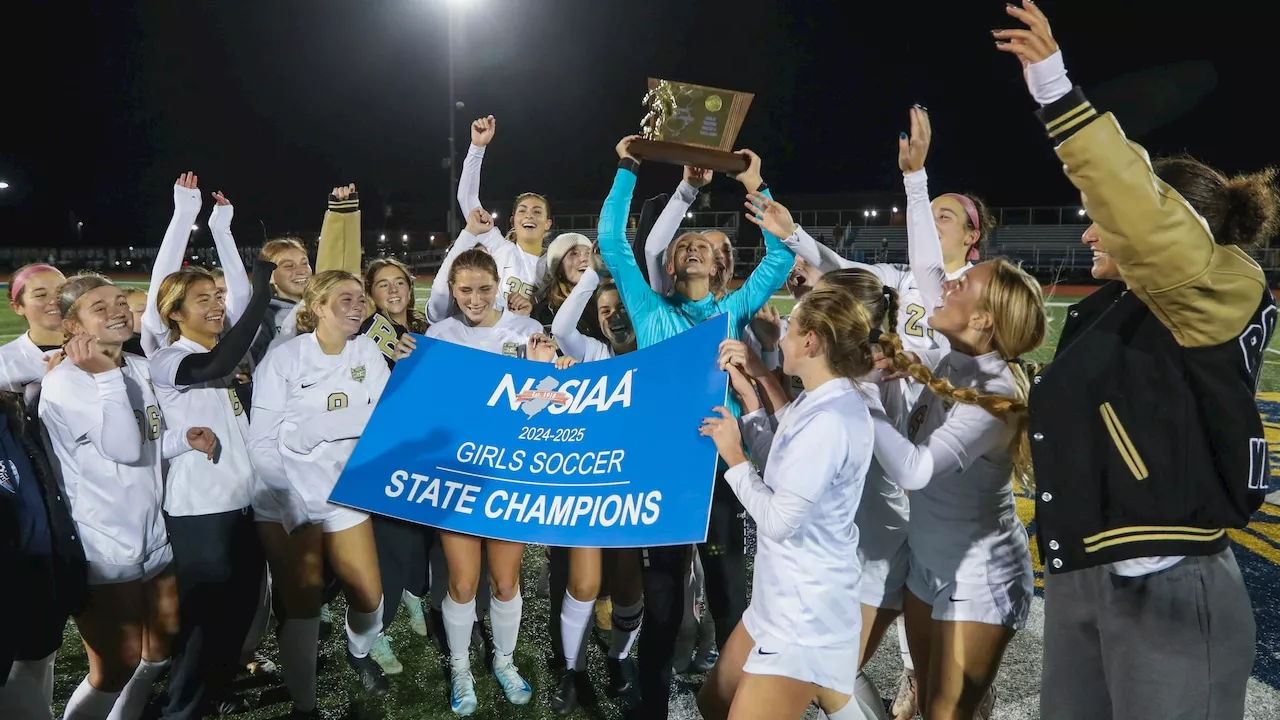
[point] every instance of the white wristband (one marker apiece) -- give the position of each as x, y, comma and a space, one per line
1047, 80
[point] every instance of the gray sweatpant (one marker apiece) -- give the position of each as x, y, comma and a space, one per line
1173, 645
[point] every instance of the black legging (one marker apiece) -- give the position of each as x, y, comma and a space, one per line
724, 565
402, 560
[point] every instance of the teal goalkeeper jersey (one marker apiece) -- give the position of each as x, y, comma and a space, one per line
659, 317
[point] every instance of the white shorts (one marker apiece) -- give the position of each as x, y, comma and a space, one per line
834, 667
103, 573
339, 519
884, 578
1004, 603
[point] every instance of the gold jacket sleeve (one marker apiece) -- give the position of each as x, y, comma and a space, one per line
1203, 292
340, 236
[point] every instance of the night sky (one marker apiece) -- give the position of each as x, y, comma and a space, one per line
276, 101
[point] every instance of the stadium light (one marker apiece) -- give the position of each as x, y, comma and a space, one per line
382, 237
494, 214
433, 238
688, 216
195, 228
866, 213
873, 213
4, 185
895, 208
404, 238
79, 224
1080, 212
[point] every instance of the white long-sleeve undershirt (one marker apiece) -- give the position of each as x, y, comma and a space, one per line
564, 326
924, 247
186, 208
662, 233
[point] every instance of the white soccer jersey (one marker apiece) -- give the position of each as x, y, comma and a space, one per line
805, 586
564, 327
883, 514
509, 336
518, 271
309, 410
964, 526
108, 439
194, 485
21, 363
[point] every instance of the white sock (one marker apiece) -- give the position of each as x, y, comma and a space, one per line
89, 703
363, 629
504, 618
133, 699
864, 705
298, 638
575, 620
902, 645
458, 621
627, 620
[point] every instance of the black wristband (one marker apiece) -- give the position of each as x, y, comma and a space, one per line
351, 204
763, 186
631, 164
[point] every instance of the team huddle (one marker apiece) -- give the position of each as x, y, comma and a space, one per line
175, 480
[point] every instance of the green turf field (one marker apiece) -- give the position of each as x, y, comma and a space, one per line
422, 690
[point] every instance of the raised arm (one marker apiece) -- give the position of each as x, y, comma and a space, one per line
479, 223
668, 224
222, 360
340, 233
778, 260
1203, 292
924, 247
238, 288
639, 299
186, 208
564, 326
482, 132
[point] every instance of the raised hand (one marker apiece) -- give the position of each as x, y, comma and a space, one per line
623, 148
202, 439
750, 178
479, 221
697, 177
767, 325
914, 148
482, 131
1031, 45
188, 180
771, 215
219, 199
86, 353
342, 192
540, 348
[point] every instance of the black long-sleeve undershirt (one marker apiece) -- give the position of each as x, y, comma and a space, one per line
222, 360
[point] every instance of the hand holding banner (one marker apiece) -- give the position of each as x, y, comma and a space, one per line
602, 454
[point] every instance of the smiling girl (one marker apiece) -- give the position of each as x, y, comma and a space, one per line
33, 295
106, 430
314, 395
217, 555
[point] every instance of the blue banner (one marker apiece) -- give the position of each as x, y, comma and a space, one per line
603, 454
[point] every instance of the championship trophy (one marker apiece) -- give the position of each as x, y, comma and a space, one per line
692, 125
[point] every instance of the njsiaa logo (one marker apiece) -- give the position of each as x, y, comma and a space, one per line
573, 397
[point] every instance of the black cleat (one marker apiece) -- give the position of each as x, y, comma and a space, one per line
564, 699
622, 677
371, 676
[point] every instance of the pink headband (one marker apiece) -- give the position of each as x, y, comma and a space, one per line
17, 281
972, 211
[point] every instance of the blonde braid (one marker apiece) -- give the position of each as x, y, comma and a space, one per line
1001, 407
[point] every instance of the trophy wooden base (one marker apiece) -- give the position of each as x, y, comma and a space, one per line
692, 155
